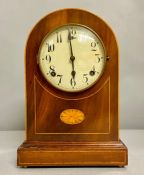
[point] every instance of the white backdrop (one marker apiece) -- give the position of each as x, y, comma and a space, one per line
17, 17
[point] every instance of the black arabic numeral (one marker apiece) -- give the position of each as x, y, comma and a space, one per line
73, 82
52, 71
51, 47
73, 33
48, 58
59, 38
60, 79
52, 68
85, 78
93, 45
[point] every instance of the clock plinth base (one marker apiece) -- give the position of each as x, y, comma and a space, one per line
72, 154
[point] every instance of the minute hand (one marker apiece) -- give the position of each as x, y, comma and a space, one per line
72, 58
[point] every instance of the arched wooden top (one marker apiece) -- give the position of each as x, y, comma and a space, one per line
45, 103
62, 17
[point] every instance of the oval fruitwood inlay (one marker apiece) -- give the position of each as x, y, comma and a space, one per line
72, 116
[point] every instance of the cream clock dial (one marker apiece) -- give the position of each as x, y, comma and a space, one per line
72, 57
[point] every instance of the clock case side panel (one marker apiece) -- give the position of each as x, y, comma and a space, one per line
44, 26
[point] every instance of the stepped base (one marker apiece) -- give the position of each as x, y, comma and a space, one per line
72, 154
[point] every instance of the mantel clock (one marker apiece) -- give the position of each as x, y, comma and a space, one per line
72, 93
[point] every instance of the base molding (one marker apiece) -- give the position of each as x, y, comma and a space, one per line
72, 154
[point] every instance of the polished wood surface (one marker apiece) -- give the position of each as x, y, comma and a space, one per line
66, 154
44, 103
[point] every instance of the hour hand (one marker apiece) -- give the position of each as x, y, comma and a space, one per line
73, 73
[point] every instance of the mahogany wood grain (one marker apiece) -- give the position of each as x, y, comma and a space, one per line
44, 103
74, 154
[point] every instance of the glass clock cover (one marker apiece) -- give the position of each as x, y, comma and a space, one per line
72, 57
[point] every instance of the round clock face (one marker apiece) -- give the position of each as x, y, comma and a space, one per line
72, 57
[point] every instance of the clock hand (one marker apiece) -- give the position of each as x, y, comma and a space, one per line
73, 83
73, 70
72, 58
70, 38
